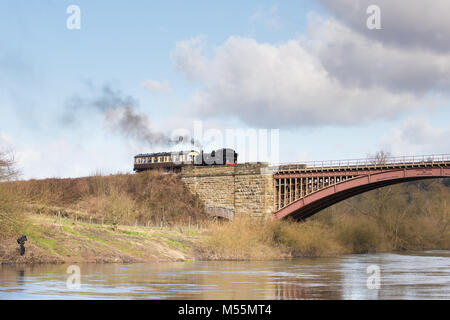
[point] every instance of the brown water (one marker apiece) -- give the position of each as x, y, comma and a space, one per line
423, 275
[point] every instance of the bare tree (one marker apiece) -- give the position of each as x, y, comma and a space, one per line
381, 157
7, 166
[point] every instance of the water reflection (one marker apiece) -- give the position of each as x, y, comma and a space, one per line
21, 277
421, 276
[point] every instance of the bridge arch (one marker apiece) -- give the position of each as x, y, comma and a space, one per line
314, 202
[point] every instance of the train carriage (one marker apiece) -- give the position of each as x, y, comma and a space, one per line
174, 161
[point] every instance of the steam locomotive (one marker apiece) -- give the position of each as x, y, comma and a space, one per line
174, 161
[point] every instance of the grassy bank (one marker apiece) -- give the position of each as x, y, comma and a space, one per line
116, 218
58, 240
152, 217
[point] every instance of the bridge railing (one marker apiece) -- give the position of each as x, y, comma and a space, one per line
366, 162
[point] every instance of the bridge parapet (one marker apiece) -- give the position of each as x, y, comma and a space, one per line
364, 164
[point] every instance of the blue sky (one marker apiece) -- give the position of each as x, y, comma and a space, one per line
194, 52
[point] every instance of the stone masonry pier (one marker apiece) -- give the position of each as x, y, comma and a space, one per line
229, 191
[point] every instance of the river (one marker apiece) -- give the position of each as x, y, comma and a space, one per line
419, 275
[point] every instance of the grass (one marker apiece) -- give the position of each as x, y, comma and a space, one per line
64, 240
134, 233
175, 244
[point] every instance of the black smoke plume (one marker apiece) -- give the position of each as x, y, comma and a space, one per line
121, 115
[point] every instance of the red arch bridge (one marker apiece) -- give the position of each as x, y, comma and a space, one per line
301, 190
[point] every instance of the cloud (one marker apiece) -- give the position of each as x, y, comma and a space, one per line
62, 158
6, 141
279, 85
157, 86
416, 136
188, 57
415, 24
358, 61
332, 75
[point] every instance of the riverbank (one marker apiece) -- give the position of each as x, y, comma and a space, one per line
62, 240
53, 239
90, 219
151, 216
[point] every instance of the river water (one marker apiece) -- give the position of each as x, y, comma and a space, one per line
420, 275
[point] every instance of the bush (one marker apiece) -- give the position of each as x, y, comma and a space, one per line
245, 238
11, 216
359, 234
241, 239
310, 238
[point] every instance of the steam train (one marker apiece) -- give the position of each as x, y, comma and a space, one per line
174, 161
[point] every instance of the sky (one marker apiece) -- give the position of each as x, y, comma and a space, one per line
136, 75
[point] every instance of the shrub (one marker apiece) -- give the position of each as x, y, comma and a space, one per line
359, 234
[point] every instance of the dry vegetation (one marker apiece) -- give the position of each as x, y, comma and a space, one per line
152, 216
11, 217
409, 216
97, 218
412, 216
148, 198
247, 239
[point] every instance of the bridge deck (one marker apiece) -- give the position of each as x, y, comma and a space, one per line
364, 164
296, 181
